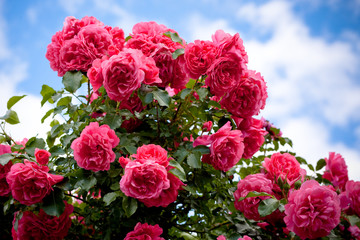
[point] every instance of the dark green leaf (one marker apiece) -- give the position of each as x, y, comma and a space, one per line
11, 117
194, 160
13, 100
110, 197
34, 143
86, 183
162, 97
267, 206
5, 158
180, 155
131, 149
56, 151
113, 120
320, 164
128, 38
177, 170
202, 149
185, 92
214, 104
47, 92
129, 206
53, 204
178, 52
149, 97
256, 194
202, 92
72, 81
354, 220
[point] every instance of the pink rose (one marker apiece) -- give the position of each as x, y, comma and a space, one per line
95, 74
75, 56
222, 237
53, 53
224, 75
43, 226
72, 26
248, 97
153, 153
96, 39
4, 169
207, 126
42, 156
249, 206
355, 231
145, 232
93, 149
233, 44
350, 198
199, 56
253, 138
284, 166
118, 37
30, 183
167, 196
336, 170
123, 74
312, 211
226, 147
150, 28
144, 180
133, 104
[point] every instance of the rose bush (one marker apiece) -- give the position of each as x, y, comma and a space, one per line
160, 139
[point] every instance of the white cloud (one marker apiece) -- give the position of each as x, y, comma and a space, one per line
71, 6
313, 72
202, 28
32, 14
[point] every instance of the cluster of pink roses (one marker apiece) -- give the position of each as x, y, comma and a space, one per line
145, 231
147, 177
311, 211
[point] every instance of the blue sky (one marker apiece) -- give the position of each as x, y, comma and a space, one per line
307, 50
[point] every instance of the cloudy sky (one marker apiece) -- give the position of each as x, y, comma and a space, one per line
307, 50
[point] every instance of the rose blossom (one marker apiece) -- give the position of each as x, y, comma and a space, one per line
144, 180
284, 166
336, 170
248, 97
312, 211
249, 206
226, 147
199, 56
224, 75
145, 232
93, 149
4, 169
53, 53
207, 126
43, 226
167, 196
124, 73
152, 152
42, 156
350, 198
133, 104
253, 138
30, 183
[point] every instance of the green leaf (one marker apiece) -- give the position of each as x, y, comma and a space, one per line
47, 92
110, 197
72, 81
5, 158
53, 204
174, 37
47, 114
267, 206
320, 164
162, 97
13, 100
185, 92
64, 101
128, 38
202, 149
354, 220
34, 143
202, 92
178, 52
86, 184
129, 205
177, 170
56, 151
256, 194
11, 117
149, 97
131, 149
190, 84
113, 120
194, 160
180, 155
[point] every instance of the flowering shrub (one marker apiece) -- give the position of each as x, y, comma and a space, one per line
160, 139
